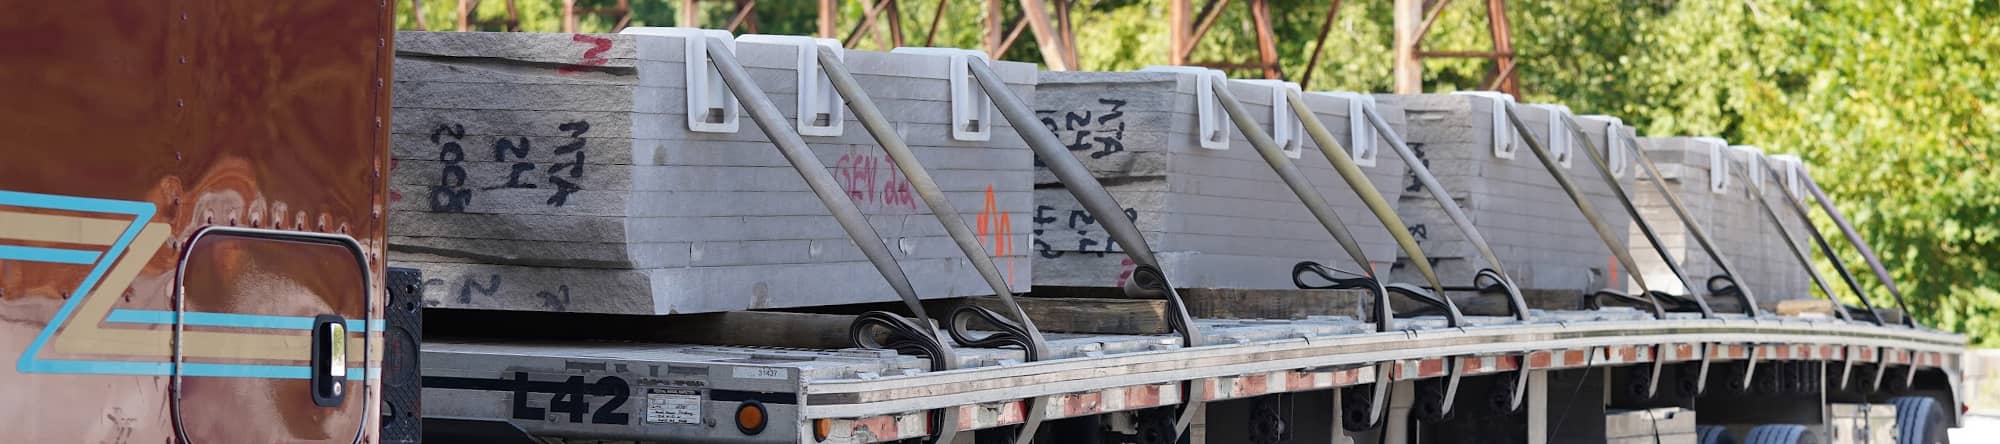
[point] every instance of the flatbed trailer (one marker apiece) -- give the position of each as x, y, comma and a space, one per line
690, 393
1533, 376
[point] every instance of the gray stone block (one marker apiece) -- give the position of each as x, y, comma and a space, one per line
518, 154
1135, 131
1532, 224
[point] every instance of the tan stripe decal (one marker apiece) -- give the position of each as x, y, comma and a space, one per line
64, 229
83, 335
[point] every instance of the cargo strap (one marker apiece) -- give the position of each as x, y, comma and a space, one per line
1316, 203
1700, 234
1583, 204
1674, 302
1147, 280
1861, 245
1443, 197
918, 336
1019, 331
1288, 172
1805, 261
1357, 181
1839, 266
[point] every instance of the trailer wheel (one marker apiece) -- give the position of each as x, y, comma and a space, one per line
1687, 382
1431, 406
1355, 402
1710, 434
1781, 434
1919, 420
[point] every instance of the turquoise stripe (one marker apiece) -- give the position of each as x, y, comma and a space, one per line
106, 367
42, 254
231, 320
246, 371
259, 371
141, 213
191, 369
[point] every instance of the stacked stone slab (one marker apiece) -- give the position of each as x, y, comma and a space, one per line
1217, 217
1750, 240
1613, 142
1688, 167
558, 172
1532, 225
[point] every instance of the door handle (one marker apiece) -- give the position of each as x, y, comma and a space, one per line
329, 361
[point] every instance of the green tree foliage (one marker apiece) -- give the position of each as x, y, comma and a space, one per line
1891, 102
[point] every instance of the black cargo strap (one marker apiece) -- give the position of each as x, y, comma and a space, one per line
1434, 304
1700, 234
1147, 280
1785, 234
1674, 303
1018, 331
1582, 203
1861, 245
916, 336
1451, 209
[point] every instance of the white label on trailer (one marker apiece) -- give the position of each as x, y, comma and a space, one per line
673, 406
757, 372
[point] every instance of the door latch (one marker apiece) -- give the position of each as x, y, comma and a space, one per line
329, 361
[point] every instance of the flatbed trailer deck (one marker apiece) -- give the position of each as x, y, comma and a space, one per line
876, 396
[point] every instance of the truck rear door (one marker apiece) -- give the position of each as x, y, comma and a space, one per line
270, 341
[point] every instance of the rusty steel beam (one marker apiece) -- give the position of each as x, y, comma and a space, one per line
1503, 47
569, 16
1055, 54
930, 37
1409, 66
1431, 18
827, 12
1012, 35
994, 20
1210, 12
1505, 73
867, 21
1267, 45
1179, 34
744, 10
465, 22
1068, 34
1319, 45
895, 19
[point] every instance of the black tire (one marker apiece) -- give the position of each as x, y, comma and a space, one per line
1781, 434
1920, 420
1710, 434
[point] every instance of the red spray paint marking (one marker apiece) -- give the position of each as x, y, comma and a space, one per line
591, 57
1124, 272
867, 182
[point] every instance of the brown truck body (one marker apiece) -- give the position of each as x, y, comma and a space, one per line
192, 203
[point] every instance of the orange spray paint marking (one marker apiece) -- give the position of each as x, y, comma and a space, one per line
994, 226
1612, 264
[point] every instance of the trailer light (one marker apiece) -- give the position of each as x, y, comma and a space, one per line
750, 418
822, 428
